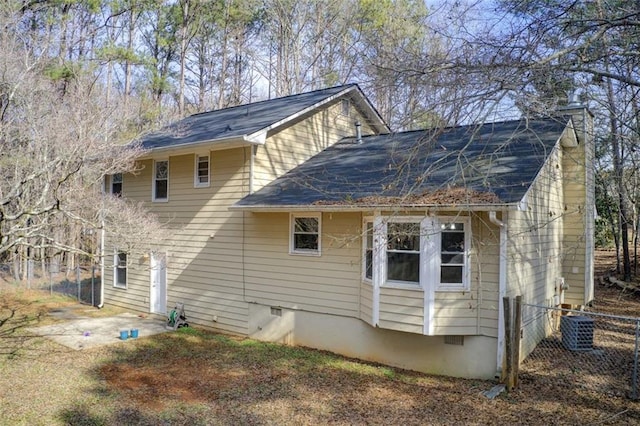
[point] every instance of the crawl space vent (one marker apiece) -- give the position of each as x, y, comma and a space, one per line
454, 340
276, 312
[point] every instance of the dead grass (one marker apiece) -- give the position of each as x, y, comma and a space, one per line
198, 378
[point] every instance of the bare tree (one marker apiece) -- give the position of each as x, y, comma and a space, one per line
55, 149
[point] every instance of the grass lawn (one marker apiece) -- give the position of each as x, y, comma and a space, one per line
194, 377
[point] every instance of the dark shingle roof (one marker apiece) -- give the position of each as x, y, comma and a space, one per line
497, 159
237, 121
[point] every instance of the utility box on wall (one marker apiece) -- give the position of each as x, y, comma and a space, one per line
577, 332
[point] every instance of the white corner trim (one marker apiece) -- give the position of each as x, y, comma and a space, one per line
378, 272
502, 286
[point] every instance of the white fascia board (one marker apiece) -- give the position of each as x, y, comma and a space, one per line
569, 138
214, 144
262, 133
523, 204
362, 101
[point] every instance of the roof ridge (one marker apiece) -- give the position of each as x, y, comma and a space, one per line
345, 86
444, 128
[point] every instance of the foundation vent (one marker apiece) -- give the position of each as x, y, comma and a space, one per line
454, 340
276, 312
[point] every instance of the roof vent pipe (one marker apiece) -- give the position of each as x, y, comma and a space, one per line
573, 98
358, 132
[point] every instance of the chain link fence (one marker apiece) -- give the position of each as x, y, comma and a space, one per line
81, 283
581, 350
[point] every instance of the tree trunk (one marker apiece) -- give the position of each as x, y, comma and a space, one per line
183, 53
618, 173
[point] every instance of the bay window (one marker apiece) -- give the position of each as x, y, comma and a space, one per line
426, 252
403, 252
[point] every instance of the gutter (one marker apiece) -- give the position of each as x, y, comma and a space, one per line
502, 286
254, 139
361, 207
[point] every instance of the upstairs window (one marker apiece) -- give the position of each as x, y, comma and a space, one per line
345, 107
202, 171
116, 184
305, 234
161, 180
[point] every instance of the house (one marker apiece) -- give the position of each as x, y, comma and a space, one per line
293, 224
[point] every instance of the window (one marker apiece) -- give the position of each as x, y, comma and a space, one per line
120, 270
421, 251
202, 171
403, 252
368, 250
452, 255
305, 234
116, 184
345, 107
161, 180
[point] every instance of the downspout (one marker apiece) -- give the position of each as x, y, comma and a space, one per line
502, 286
252, 155
252, 159
102, 237
101, 304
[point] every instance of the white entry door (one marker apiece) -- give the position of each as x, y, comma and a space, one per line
158, 296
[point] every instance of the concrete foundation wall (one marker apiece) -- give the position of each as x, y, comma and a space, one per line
351, 337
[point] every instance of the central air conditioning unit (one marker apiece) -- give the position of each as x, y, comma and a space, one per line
577, 332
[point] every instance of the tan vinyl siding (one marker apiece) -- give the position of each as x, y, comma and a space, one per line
535, 236
485, 273
204, 251
328, 283
297, 143
366, 302
472, 312
135, 295
402, 309
575, 224
535, 246
456, 314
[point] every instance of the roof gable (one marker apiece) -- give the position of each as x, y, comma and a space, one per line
481, 164
250, 122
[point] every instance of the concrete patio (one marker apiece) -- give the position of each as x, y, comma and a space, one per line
85, 332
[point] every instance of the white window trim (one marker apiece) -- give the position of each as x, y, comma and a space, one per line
115, 270
365, 220
384, 229
153, 182
430, 259
196, 180
466, 269
292, 250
